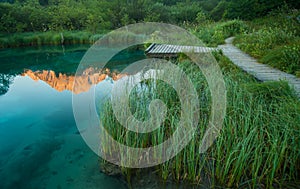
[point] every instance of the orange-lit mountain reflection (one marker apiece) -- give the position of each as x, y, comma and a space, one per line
63, 82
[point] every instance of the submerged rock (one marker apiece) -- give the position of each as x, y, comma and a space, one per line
110, 169
146, 178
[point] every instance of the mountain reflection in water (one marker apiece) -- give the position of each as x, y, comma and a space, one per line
61, 64
61, 82
41, 147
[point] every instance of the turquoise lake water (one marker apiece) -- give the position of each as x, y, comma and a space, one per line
40, 144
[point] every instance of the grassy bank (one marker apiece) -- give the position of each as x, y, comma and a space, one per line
214, 33
210, 32
47, 38
274, 40
258, 145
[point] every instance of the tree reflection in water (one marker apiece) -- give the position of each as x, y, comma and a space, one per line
5, 81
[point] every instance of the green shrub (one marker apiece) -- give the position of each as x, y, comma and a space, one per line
234, 27
45, 38
291, 58
219, 11
285, 58
260, 42
274, 40
4, 42
214, 34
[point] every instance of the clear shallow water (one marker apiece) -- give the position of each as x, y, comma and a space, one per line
40, 146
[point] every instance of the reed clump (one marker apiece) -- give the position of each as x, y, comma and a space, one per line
258, 145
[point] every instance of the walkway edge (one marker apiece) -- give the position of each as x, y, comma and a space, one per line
260, 71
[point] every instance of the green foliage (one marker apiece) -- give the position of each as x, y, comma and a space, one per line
291, 58
274, 40
47, 38
257, 146
57, 16
270, 91
91, 15
219, 11
95, 16
158, 12
285, 58
185, 12
214, 34
252, 9
285, 18
202, 18
264, 39
208, 5
233, 27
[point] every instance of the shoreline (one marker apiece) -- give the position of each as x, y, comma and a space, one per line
31, 39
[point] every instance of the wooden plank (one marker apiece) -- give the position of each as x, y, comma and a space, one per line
168, 50
261, 71
150, 47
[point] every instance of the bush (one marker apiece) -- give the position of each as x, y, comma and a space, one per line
45, 38
274, 40
214, 34
260, 42
291, 57
219, 11
251, 9
233, 27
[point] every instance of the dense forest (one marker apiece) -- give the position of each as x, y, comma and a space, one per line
101, 15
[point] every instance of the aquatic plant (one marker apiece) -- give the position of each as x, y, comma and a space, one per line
258, 144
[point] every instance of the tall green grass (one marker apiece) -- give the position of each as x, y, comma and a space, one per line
258, 146
47, 38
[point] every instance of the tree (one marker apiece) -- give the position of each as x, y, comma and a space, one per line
255, 8
5, 81
158, 13
185, 12
219, 11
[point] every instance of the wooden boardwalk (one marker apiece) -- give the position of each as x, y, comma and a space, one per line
163, 50
260, 71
